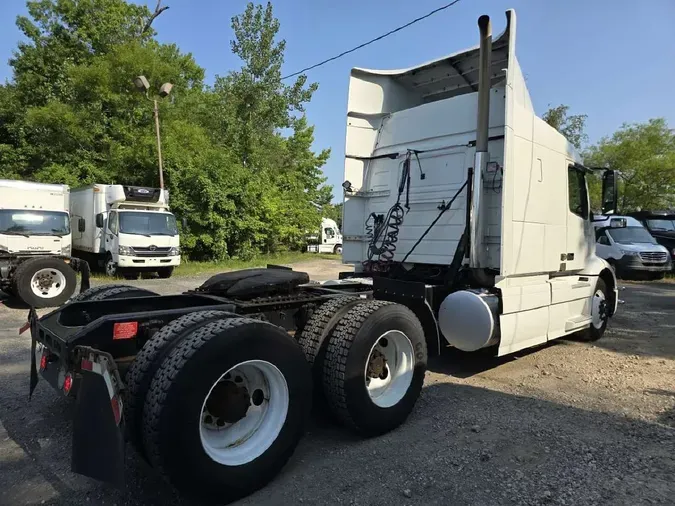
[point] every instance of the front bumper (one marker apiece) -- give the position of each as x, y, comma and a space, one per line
634, 263
129, 262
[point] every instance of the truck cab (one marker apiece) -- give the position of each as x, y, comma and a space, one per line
129, 229
329, 239
35, 242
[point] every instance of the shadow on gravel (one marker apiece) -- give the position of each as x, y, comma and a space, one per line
645, 324
461, 445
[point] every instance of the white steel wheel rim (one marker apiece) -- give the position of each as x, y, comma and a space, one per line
243, 441
597, 314
48, 283
338, 250
399, 355
110, 268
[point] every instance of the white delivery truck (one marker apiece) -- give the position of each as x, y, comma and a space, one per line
126, 229
35, 242
329, 239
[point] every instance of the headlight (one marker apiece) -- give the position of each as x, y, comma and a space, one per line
630, 253
174, 252
66, 250
126, 251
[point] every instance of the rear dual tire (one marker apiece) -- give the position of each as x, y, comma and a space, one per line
179, 439
374, 367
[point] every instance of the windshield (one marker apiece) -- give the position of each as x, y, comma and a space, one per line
630, 235
667, 225
147, 223
27, 223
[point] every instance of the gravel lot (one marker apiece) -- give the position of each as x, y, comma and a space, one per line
568, 423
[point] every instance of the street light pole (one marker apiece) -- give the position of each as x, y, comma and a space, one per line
159, 146
143, 85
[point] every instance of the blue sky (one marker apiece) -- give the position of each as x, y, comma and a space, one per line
611, 59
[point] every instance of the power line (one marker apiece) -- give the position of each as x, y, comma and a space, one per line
435, 11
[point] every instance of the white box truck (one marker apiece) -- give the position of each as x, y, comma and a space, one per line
35, 242
126, 229
328, 240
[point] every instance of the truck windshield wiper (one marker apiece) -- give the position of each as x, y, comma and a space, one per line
11, 232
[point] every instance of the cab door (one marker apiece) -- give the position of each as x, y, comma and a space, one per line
112, 235
579, 233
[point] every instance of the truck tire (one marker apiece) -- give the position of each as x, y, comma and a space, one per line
599, 314
165, 272
44, 282
337, 249
117, 290
375, 365
147, 362
181, 419
314, 337
121, 292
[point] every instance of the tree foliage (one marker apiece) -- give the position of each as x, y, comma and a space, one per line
644, 154
238, 157
571, 126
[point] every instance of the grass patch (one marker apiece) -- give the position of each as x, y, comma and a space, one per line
188, 268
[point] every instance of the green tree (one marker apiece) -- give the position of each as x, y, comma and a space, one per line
238, 157
571, 126
644, 154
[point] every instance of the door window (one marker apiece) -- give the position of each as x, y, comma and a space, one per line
112, 223
578, 197
329, 232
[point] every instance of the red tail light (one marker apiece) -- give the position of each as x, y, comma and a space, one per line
43, 362
68, 383
125, 330
117, 409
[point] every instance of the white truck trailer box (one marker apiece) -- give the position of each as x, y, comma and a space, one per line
126, 229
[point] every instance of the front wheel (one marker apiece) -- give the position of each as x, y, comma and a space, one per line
165, 272
44, 282
338, 249
599, 313
226, 408
110, 266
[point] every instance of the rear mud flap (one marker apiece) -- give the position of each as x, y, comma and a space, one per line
98, 442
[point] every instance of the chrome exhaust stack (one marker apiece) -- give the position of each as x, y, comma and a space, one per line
481, 158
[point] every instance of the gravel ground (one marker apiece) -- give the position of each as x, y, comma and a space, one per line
567, 423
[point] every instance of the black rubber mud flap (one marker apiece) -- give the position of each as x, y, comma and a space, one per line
32, 322
98, 442
81, 266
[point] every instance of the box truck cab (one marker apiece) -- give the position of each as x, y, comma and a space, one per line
126, 229
630, 248
35, 242
328, 241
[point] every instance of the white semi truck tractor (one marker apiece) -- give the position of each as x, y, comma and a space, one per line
468, 221
127, 230
35, 243
328, 240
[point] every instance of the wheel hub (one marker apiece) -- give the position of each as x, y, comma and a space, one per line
228, 402
377, 367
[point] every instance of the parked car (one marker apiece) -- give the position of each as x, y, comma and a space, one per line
630, 248
661, 224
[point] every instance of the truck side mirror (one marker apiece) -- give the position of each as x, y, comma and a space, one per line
99, 220
610, 192
81, 225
